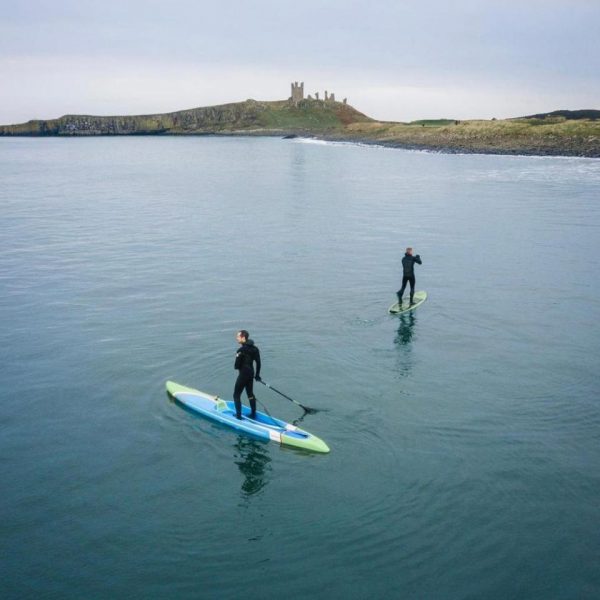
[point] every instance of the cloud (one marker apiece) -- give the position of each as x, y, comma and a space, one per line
392, 60
45, 88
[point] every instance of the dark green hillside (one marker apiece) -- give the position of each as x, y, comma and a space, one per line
569, 115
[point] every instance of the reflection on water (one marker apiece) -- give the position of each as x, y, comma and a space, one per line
405, 329
252, 459
403, 339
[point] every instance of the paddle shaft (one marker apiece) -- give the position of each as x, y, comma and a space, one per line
306, 408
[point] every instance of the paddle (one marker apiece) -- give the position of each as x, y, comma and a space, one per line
305, 408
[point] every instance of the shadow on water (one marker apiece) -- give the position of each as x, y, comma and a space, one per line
252, 458
299, 419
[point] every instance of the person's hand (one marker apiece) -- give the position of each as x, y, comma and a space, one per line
258, 378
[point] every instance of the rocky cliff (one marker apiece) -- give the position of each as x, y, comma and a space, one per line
309, 116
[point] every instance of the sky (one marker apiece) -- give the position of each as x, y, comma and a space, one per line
395, 60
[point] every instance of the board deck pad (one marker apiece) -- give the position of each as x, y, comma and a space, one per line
418, 299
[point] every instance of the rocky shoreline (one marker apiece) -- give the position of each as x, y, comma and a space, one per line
516, 150
464, 149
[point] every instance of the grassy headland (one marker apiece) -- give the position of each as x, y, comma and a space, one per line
565, 133
557, 136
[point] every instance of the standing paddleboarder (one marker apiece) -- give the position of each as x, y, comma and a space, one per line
245, 357
408, 268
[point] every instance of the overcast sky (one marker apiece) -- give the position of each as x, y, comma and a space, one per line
396, 60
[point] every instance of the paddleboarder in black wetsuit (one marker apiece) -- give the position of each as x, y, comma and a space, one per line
245, 357
408, 267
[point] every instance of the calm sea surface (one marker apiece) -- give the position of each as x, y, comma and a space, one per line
465, 437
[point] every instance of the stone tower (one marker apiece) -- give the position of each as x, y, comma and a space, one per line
297, 92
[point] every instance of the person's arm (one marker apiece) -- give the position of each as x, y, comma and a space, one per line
418, 259
257, 361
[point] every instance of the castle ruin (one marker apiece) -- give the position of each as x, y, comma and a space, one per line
298, 94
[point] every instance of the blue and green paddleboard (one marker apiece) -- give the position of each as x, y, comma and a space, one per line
263, 427
418, 299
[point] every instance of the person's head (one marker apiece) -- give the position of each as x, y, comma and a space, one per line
242, 336
409, 251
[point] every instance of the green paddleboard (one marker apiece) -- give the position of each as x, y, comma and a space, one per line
418, 299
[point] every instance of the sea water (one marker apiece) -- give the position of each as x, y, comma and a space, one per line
465, 436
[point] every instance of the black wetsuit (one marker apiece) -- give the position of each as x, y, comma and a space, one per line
408, 267
245, 357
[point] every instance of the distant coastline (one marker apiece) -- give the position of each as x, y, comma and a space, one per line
561, 133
